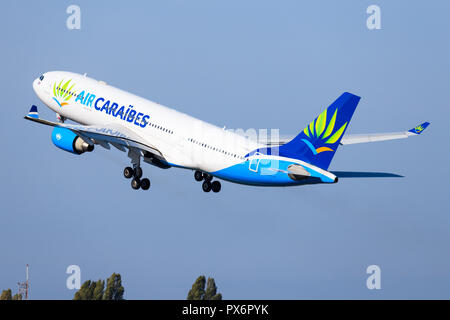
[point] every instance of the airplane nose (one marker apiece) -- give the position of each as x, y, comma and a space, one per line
39, 84
35, 85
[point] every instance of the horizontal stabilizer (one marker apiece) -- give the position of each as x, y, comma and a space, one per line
357, 174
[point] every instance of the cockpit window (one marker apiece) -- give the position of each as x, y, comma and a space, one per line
41, 78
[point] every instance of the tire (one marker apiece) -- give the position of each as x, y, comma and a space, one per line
145, 184
198, 176
128, 172
216, 186
138, 172
206, 186
135, 184
207, 177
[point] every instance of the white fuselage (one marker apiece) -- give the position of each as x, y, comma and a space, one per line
184, 140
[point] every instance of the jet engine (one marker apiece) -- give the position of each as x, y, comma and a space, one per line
67, 140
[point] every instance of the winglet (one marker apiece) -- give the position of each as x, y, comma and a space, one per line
419, 128
33, 112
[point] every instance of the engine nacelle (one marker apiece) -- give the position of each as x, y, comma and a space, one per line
68, 141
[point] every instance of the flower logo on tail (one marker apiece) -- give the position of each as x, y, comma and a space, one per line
321, 132
419, 129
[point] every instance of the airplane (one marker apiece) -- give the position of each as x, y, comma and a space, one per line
149, 132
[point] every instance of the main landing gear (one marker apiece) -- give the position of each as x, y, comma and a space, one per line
207, 184
136, 174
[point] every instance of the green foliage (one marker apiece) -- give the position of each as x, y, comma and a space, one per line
86, 291
198, 291
97, 293
95, 290
6, 295
17, 296
211, 291
114, 289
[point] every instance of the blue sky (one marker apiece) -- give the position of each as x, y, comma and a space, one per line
243, 64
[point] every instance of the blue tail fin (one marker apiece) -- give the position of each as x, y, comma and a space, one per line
318, 142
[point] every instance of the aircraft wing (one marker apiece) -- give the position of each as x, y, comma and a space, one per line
357, 138
115, 134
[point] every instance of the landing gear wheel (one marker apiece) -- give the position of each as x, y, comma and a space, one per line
215, 186
135, 184
207, 177
128, 172
206, 186
138, 172
198, 176
145, 184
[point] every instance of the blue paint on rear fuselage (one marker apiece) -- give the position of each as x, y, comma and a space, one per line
267, 172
